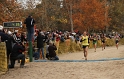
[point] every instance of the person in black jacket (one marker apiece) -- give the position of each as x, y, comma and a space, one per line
9, 44
30, 27
23, 39
52, 53
3, 36
17, 50
40, 43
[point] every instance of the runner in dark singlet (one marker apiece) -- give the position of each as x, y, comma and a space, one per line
117, 38
103, 38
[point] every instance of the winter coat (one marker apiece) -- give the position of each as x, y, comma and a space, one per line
4, 36
9, 44
17, 50
51, 50
29, 22
40, 41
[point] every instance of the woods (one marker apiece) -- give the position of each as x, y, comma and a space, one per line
9, 11
71, 15
90, 15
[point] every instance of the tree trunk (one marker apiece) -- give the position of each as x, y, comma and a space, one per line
71, 20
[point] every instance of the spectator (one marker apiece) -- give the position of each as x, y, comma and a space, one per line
47, 52
23, 37
30, 27
40, 43
4, 38
77, 38
17, 50
72, 37
62, 39
9, 44
3, 35
52, 53
16, 35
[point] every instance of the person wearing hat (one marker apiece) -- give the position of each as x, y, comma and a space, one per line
29, 21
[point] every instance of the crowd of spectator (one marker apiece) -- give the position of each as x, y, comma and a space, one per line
41, 38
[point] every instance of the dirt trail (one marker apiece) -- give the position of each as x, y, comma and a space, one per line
109, 52
74, 70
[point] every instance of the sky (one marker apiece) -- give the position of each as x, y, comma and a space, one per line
23, 2
36, 1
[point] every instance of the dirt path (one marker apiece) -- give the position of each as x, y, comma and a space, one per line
74, 70
109, 52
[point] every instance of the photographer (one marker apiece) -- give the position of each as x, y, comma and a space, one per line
52, 53
17, 50
40, 43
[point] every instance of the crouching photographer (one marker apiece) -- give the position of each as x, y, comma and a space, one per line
16, 54
52, 54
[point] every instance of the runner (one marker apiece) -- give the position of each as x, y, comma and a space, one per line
117, 38
94, 38
103, 38
85, 44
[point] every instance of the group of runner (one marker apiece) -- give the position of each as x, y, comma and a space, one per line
85, 41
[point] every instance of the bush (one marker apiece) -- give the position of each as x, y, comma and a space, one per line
121, 41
